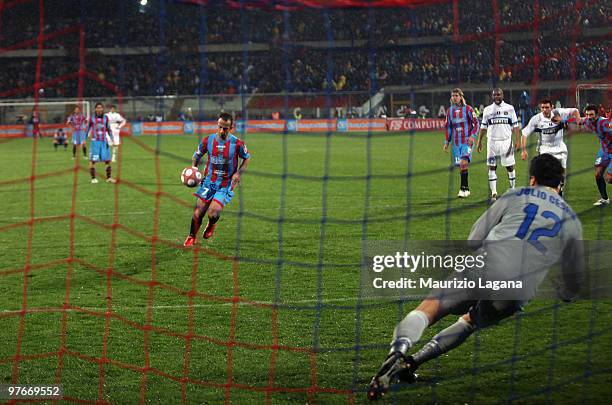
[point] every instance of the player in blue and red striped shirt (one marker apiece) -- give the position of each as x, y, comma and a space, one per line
603, 128
78, 122
221, 175
101, 139
461, 129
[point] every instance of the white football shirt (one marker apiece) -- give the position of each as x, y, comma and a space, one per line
499, 120
551, 134
116, 121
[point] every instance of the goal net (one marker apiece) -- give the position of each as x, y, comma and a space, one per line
599, 94
21, 117
97, 291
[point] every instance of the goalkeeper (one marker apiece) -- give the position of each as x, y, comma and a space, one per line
536, 229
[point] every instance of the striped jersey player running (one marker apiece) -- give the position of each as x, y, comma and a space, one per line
461, 129
221, 175
550, 125
499, 121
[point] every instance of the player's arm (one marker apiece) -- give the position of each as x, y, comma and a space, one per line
448, 134
122, 122
473, 130
528, 130
244, 154
487, 221
566, 116
483, 131
109, 138
88, 126
516, 128
200, 151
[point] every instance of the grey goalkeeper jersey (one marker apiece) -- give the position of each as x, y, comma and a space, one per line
527, 231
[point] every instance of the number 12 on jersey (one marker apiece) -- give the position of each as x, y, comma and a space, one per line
532, 210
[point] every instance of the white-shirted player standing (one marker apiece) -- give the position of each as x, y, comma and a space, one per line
116, 122
549, 124
499, 121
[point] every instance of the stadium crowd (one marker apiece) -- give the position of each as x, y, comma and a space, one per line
306, 66
121, 23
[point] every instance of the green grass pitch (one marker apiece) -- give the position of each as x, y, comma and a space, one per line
296, 240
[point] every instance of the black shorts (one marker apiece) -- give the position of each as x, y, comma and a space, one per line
483, 313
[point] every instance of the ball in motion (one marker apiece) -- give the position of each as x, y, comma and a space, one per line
191, 176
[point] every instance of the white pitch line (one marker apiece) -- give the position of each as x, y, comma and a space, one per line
89, 215
216, 304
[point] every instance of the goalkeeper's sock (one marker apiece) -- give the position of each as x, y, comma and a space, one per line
409, 331
444, 341
84, 150
464, 180
92, 171
601, 185
512, 178
108, 171
73, 150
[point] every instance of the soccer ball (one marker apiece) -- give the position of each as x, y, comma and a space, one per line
191, 176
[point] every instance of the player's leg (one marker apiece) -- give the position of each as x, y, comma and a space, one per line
105, 156
443, 342
109, 172
94, 157
562, 156
407, 332
600, 165
458, 161
75, 142
493, 182
199, 211
511, 176
508, 161
205, 194
483, 314
214, 213
220, 200
466, 157
83, 142
115, 145
92, 171
492, 165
